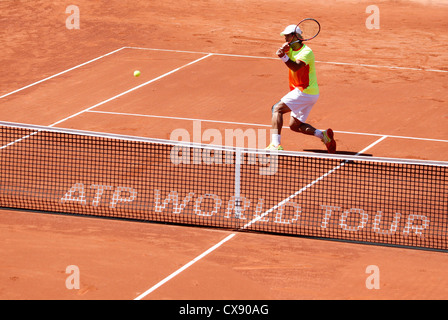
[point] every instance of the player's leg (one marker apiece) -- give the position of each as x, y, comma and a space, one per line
301, 104
305, 128
326, 136
278, 110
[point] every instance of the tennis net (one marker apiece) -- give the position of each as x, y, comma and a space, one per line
352, 198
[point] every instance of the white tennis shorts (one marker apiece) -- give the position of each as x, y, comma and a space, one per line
300, 103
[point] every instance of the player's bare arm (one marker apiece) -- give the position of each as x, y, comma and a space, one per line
304, 90
281, 52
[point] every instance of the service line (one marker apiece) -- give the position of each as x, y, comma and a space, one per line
255, 124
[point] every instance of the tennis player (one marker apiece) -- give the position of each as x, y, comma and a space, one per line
303, 94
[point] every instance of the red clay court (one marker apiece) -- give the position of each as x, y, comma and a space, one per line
384, 93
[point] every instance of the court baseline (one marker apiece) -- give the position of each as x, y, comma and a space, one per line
229, 237
215, 54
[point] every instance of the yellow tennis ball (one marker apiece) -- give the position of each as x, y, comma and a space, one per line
136, 73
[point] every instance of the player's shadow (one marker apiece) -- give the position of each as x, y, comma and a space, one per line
347, 153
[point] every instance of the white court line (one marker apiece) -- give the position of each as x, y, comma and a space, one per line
18, 140
166, 74
220, 54
213, 248
255, 124
110, 99
309, 185
60, 73
186, 266
130, 90
273, 58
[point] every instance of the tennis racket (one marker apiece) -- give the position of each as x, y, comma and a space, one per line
307, 29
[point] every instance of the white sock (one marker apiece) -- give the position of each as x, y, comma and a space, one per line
319, 134
275, 139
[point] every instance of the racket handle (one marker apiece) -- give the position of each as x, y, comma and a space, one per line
295, 42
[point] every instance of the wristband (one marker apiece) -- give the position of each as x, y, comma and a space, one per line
285, 58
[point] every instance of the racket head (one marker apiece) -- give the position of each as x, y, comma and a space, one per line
307, 29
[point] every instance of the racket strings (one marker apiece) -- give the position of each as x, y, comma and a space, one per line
309, 29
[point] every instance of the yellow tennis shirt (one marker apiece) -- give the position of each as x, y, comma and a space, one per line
305, 78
